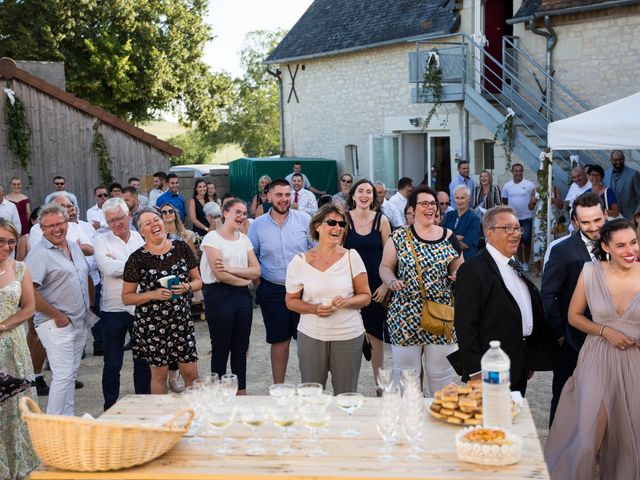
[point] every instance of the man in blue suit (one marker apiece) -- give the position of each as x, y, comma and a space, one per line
559, 281
625, 182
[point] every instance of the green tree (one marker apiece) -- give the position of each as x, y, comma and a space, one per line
196, 148
133, 58
252, 118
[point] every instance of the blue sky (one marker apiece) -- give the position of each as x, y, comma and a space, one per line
231, 20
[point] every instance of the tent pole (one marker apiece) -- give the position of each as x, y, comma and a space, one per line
550, 196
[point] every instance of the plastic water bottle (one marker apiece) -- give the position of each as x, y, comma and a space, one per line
496, 380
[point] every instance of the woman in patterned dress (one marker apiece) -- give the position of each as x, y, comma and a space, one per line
17, 304
163, 329
440, 254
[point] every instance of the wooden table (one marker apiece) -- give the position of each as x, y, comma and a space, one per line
355, 457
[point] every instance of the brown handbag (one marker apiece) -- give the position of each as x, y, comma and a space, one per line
437, 318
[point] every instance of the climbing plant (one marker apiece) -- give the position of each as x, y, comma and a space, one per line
18, 130
432, 85
504, 132
99, 145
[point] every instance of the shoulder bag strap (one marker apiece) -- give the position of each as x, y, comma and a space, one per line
415, 257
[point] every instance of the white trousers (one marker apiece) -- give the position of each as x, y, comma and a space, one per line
437, 368
64, 348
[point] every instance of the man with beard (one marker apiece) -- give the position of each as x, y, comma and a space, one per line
625, 183
276, 237
559, 281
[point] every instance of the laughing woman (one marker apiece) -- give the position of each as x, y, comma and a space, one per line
328, 286
163, 329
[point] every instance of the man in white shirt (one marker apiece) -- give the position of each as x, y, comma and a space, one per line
396, 218
580, 185
160, 186
297, 169
112, 251
302, 199
143, 200
94, 215
9, 211
59, 184
399, 199
517, 194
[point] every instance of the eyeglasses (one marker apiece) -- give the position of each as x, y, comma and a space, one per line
442, 204
509, 229
102, 195
169, 211
10, 241
240, 213
332, 223
346, 181
116, 219
427, 204
55, 225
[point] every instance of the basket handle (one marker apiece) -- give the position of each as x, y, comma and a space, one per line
187, 411
27, 405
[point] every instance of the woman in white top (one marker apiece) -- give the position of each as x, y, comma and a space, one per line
328, 286
228, 267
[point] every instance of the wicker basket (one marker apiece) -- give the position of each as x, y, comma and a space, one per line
82, 445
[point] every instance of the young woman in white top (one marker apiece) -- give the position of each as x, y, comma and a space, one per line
328, 286
228, 266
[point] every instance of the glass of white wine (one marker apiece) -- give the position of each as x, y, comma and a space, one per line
219, 418
315, 418
254, 417
284, 418
308, 389
349, 403
279, 391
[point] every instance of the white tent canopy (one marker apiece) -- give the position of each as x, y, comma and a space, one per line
612, 126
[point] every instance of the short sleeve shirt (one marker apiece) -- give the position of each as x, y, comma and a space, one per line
234, 253
518, 196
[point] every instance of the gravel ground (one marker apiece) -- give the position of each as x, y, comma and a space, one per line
89, 399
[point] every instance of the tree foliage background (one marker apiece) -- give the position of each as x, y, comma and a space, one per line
134, 58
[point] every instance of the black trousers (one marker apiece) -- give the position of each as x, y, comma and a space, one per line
563, 369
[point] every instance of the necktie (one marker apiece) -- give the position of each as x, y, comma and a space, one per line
295, 198
516, 266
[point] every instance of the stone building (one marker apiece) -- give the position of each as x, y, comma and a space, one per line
351, 75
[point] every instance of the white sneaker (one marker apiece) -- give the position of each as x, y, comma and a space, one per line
525, 267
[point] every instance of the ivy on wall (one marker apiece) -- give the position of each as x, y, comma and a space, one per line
504, 132
99, 145
432, 85
18, 130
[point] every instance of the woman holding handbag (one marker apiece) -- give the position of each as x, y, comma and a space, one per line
328, 286
426, 258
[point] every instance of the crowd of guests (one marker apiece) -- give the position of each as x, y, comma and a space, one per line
336, 274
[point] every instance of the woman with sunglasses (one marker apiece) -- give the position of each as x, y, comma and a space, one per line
260, 198
175, 229
228, 267
21, 202
195, 207
341, 198
17, 305
368, 232
328, 286
426, 258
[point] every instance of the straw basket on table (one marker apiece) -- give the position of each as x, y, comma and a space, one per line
82, 445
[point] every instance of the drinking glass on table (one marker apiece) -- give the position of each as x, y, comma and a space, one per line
278, 391
229, 383
385, 378
412, 421
219, 418
193, 398
386, 424
308, 389
349, 403
254, 416
284, 418
322, 399
315, 418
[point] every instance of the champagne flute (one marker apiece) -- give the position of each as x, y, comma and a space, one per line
384, 378
349, 403
284, 418
192, 398
386, 426
315, 418
229, 383
254, 417
219, 418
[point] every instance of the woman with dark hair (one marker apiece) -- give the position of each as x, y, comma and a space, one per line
597, 416
328, 287
195, 207
486, 195
425, 257
228, 267
211, 192
596, 174
368, 232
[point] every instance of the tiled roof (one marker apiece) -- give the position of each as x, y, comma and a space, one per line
546, 7
335, 26
9, 70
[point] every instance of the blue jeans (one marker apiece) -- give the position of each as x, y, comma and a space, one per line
229, 312
114, 329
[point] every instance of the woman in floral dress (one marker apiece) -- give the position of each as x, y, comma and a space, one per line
17, 304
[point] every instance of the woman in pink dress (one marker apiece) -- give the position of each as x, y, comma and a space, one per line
598, 416
22, 203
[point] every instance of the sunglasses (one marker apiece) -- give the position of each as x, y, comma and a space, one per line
59, 184
332, 223
169, 211
102, 195
346, 181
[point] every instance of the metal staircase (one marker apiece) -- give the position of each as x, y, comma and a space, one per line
487, 87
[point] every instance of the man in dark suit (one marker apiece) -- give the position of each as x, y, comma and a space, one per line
495, 301
625, 183
559, 281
